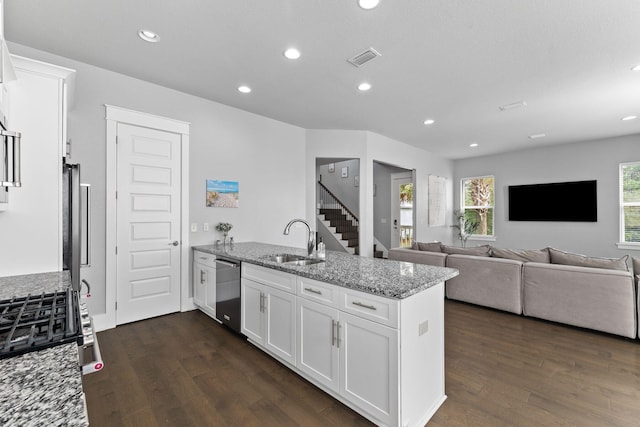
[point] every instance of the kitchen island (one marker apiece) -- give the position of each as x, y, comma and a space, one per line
369, 332
42, 387
386, 278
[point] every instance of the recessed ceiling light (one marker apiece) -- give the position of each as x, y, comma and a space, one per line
148, 36
636, 68
629, 118
363, 87
475, 144
537, 135
292, 53
368, 4
244, 89
429, 122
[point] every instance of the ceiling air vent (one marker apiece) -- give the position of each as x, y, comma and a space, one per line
363, 57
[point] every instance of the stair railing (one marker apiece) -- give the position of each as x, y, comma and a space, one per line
328, 200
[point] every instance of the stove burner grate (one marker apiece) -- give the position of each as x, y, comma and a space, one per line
40, 321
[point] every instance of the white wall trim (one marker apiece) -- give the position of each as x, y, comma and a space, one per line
123, 115
113, 116
629, 245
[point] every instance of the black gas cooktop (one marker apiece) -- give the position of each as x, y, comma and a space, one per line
36, 322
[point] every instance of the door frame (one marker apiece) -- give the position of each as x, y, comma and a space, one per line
410, 174
113, 116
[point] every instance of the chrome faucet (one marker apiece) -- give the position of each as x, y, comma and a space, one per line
310, 241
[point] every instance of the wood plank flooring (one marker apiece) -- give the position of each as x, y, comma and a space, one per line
501, 370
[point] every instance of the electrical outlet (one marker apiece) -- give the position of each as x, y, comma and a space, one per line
194, 227
205, 226
423, 327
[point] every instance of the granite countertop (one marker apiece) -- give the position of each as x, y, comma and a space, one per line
387, 278
42, 387
21, 286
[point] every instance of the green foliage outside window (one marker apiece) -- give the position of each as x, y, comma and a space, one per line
478, 203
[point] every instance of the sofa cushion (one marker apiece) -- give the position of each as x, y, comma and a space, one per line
567, 258
437, 259
592, 298
531, 255
429, 247
477, 251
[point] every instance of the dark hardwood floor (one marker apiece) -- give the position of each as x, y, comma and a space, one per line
501, 370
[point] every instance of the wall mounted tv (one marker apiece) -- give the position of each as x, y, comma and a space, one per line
559, 201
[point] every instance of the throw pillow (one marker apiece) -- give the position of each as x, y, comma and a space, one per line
531, 255
566, 258
635, 261
477, 251
430, 247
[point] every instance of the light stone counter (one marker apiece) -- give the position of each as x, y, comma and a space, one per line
387, 278
42, 387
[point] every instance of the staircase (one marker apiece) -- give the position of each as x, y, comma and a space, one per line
342, 228
342, 223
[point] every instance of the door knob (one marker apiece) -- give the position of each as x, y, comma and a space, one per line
174, 243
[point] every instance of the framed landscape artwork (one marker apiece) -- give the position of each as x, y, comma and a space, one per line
222, 194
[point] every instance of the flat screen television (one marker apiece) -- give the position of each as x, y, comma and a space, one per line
559, 201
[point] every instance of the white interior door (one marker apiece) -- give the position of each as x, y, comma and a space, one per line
148, 223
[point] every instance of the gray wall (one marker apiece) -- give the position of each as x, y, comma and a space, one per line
343, 188
586, 160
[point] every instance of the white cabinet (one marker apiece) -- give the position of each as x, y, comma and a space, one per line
369, 366
33, 221
318, 354
269, 310
350, 355
382, 357
204, 282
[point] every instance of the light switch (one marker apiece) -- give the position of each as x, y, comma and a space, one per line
205, 226
194, 227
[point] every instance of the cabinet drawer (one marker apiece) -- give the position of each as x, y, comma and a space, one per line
204, 258
270, 277
321, 292
372, 307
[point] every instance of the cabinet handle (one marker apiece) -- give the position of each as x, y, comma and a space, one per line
333, 332
359, 304
262, 303
204, 258
313, 291
338, 334
203, 276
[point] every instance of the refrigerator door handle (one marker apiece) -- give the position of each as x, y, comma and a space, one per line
86, 229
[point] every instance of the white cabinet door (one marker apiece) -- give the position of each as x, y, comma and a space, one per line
280, 317
199, 283
369, 366
204, 282
317, 342
210, 294
252, 324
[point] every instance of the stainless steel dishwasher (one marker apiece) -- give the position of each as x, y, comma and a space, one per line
228, 292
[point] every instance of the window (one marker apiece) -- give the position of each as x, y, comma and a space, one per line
477, 205
630, 202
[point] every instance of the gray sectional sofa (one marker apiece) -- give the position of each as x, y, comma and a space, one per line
594, 293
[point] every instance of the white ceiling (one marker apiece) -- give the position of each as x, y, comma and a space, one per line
455, 61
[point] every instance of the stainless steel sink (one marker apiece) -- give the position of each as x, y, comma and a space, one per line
293, 259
